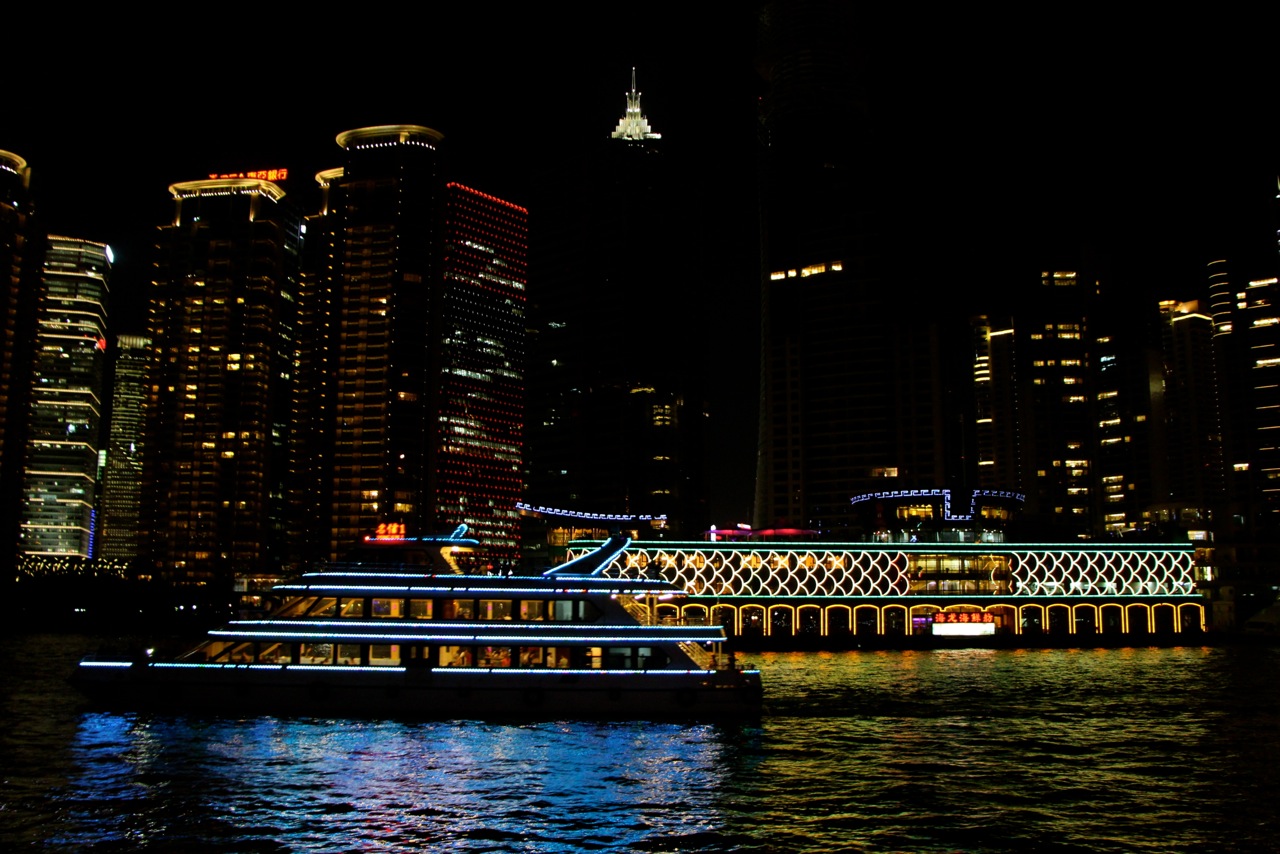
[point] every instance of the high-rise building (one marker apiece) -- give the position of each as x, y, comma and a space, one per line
119, 504
68, 381
387, 238
476, 456
21, 251
218, 403
855, 392
1188, 471
424, 343
1259, 313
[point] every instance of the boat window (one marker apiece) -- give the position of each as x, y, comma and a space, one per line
455, 656
242, 653
386, 607
495, 609
316, 653
295, 607
458, 609
495, 656
325, 607
384, 654
533, 609
420, 609
352, 608
594, 655
213, 651
574, 609
558, 656
619, 658
273, 653
349, 653
532, 656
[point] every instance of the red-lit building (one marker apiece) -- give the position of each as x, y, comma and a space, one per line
479, 405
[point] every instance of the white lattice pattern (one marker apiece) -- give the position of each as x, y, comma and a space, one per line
854, 570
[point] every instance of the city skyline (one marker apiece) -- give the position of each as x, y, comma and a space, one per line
987, 185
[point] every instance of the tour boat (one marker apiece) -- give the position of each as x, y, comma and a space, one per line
398, 628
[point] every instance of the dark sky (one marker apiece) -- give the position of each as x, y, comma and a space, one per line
1156, 140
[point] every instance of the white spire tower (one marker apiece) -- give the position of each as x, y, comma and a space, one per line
633, 125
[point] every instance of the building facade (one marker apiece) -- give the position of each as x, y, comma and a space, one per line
221, 323
60, 473
476, 455
120, 499
421, 355
21, 253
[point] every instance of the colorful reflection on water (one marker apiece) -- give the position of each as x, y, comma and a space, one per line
1064, 750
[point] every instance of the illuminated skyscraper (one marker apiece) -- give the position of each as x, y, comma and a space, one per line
119, 505
60, 472
426, 343
221, 323
477, 453
20, 256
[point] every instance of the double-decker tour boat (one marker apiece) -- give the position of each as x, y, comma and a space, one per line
399, 629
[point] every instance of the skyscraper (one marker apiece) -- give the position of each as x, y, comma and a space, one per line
221, 323
387, 241
426, 343
477, 454
21, 250
67, 401
855, 390
119, 505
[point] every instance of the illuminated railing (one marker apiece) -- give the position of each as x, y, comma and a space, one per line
857, 570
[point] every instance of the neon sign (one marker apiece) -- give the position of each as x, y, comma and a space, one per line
962, 617
261, 175
389, 531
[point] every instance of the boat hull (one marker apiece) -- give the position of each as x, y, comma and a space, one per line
442, 693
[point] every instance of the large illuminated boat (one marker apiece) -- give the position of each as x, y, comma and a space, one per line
398, 628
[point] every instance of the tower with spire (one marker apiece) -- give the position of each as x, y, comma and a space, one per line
633, 125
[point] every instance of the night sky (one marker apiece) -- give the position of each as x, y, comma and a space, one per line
1005, 141
1155, 141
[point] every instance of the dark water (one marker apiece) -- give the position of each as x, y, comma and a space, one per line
1160, 750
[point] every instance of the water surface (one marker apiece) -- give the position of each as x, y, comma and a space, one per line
1158, 750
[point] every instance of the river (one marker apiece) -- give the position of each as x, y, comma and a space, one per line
1144, 749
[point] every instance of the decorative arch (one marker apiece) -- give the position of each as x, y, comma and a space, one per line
807, 617
1085, 618
1059, 619
696, 615
782, 620
1196, 614
867, 617
727, 616
1143, 623
1113, 619
753, 621
1031, 619
1164, 617
838, 619
895, 620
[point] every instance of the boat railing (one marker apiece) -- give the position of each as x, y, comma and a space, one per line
642, 614
700, 656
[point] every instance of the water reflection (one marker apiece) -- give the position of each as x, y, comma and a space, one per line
980, 751
305, 783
